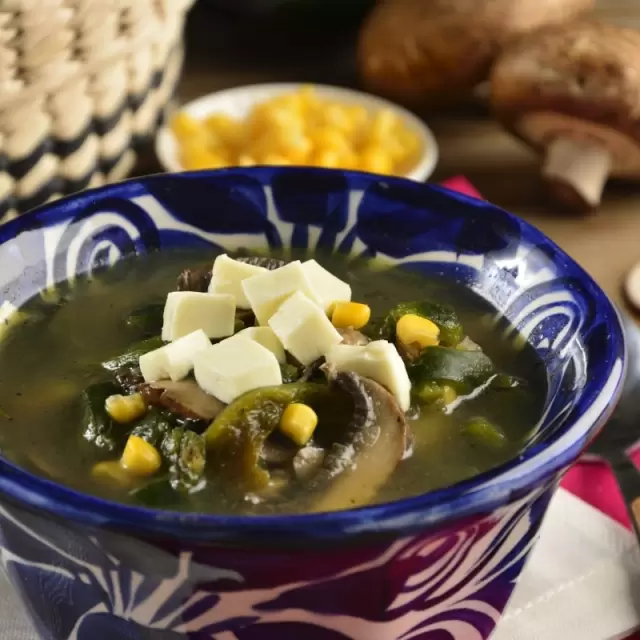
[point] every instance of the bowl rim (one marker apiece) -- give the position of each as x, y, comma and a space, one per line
537, 468
165, 141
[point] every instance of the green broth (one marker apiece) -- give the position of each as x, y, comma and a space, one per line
50, 359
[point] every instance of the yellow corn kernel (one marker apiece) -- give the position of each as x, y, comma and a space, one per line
278, 120
308, 97
337, 117
295, 145
125, 408
412, 329
326, 158
348, 159
275, 159
449, 394
139, 457
383, 124
298, 422
350, 315
220, 122
245, 160
291, 102
112, 472
185, 126
326, 138
194, 159
409, 140
375, 160
357, 113
224, 129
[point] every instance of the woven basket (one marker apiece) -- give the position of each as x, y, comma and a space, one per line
83, 84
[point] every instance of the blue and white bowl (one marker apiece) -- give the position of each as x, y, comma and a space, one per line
441, 565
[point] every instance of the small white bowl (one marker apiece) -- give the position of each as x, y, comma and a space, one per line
239, 101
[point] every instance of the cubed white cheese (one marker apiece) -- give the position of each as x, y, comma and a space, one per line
326, 286
174, 360
154, 365
266, 292
188, 311
380, 361
304, 329
267, 338
227, 276
234, 366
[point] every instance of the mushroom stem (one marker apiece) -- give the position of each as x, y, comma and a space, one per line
576, 171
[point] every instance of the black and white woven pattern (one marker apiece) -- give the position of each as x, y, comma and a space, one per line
83, 84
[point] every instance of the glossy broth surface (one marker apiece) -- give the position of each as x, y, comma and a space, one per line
47, 360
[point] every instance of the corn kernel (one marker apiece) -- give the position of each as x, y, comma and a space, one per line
125, 409
185, 126
350, 315
298, 422
300, 128
326, 158
111, 471
245, 160
358, 113
224, 129
139, 457
275, 159
338, 117
326, 138
383, 124
412, 329
203, 159
308, 96
408, 139
375, 160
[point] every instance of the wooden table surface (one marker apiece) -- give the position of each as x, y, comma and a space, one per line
606, 243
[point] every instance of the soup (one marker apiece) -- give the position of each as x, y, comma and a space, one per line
270, 387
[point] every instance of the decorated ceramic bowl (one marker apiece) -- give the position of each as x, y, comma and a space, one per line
442, 564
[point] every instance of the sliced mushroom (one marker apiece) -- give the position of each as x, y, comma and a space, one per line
184, 398
308, 461
354, 469
572, 92
278, 451
268, 263
353, 337
196, 279
349, 336
199, 278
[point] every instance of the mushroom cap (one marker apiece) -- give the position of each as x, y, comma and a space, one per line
432, 51
580, 80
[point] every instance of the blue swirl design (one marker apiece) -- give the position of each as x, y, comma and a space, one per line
84, 585
450, 558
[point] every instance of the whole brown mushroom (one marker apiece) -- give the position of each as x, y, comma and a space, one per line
573, 93
429, 52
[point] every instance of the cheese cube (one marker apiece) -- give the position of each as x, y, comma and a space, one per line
380, 361
266, 292
234, 366
154, 365
227, 276
267, 338
304, 329
325, 285
188, 311
174, 360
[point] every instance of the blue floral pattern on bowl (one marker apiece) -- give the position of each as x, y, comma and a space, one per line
436, 566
